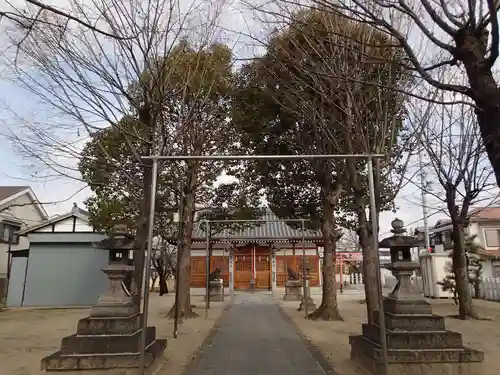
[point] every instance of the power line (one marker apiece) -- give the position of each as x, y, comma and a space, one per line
415, 221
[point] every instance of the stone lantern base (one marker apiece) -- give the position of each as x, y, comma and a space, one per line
417, 341
216, 290
105, 343
293, 290
307, 300
110, 337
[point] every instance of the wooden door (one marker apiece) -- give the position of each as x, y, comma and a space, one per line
242, 270
262, 271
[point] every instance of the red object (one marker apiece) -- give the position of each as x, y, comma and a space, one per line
430, 250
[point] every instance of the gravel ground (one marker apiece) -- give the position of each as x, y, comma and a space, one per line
332, 338
27, 335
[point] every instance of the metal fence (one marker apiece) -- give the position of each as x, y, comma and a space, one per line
490, 289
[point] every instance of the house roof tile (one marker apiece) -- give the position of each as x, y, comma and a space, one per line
7, 191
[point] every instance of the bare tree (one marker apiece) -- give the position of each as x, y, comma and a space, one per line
349, 241
28, 13
164, 262
459, 35
92, 81
457, 159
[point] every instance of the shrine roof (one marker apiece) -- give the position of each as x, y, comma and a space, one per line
272, 229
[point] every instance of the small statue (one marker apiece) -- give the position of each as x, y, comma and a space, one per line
215, 275
292, 275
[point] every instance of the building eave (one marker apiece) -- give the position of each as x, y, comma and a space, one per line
54, 220
33, 198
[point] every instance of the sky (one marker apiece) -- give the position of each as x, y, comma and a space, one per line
58, 193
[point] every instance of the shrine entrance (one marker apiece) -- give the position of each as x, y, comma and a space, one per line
252, 262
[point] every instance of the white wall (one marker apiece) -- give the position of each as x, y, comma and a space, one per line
20, 210
67, 226
432, 271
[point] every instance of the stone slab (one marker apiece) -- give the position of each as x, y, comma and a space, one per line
113, 309
60, 362
414, 340
416, 362
411, 306
110, 326
412, 322
106, 343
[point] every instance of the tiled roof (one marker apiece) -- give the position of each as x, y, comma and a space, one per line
485, 213
475, 215
7, 191
271, 229
490, 253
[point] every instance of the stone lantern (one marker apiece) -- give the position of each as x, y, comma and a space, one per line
305, 268
115, 301
402, 266
417, 340
110, 336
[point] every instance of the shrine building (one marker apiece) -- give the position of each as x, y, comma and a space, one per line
261, 253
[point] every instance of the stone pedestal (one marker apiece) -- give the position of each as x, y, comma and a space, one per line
307, 300
293, 290
311, 306
216, 289
110, 337
418, 342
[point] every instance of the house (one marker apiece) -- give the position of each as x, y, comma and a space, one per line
61, 267
19, 209
484, 224
261, 254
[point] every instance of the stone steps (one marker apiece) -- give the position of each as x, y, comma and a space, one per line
456, 355
412, 322
67, 362
120, 343
415, 339
101, 326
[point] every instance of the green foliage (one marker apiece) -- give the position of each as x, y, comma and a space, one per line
193, 89
291, 102
232, 201
474, 269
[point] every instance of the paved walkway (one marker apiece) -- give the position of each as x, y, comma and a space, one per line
255, 339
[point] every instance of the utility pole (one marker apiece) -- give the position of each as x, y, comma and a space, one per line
424, 184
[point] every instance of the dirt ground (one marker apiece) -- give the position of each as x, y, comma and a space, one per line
332, 338
28, 335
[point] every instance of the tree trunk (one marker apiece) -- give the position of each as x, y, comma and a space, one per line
369, 265
153, 281
141, 235
162, 275
465, 307
141, 239
471, 49
328, 309
184, 292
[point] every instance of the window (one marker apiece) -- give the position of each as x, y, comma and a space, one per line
496, 271
446, 237
491, 237
9, 231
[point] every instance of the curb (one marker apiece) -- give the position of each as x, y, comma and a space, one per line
325, 365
